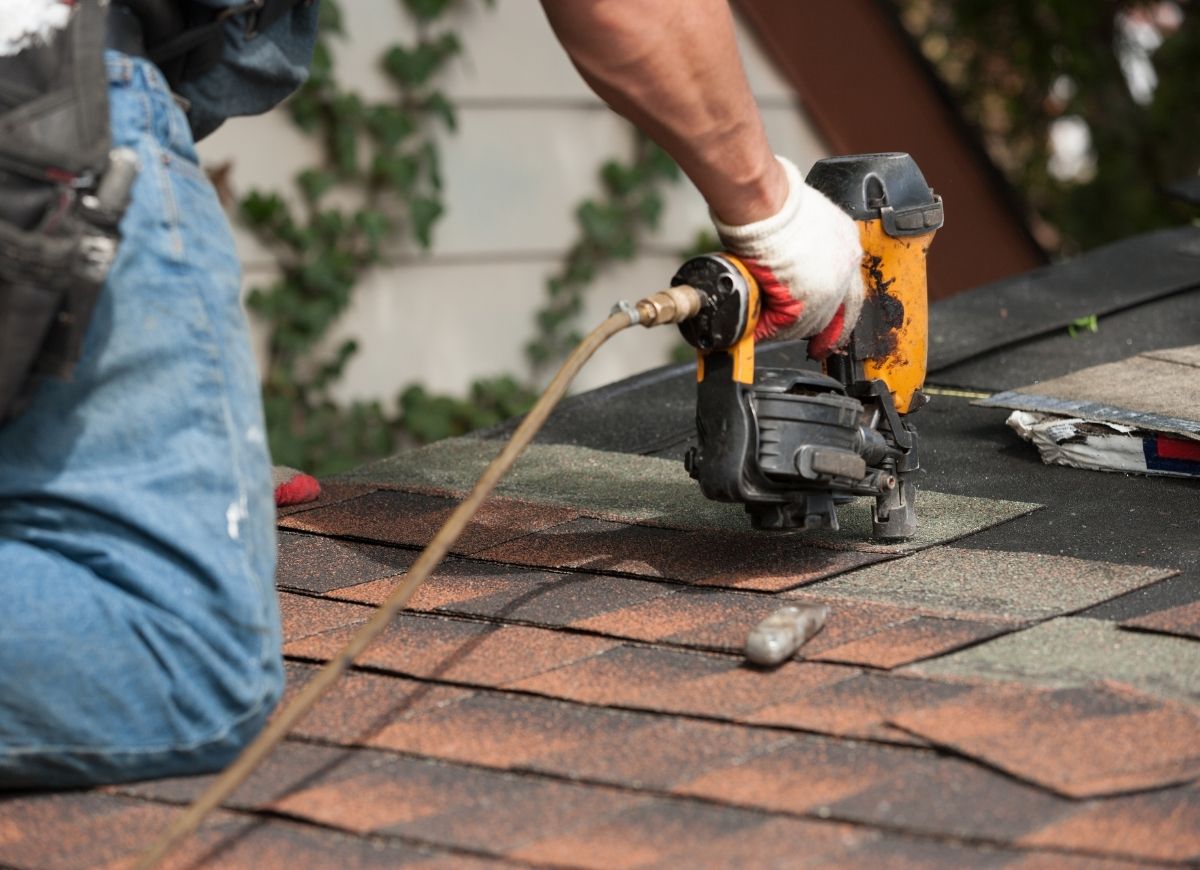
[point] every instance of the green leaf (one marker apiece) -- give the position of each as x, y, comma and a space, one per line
262, 209
321, 67
428, 154
439, 105
618, 179
389, 125
398, 170
329, 18
424, 213
427, 10
313, 183
375, 227
413, 67
1083, 324
343, 144
649, 210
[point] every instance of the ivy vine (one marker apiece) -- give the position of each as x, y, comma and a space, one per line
384, 157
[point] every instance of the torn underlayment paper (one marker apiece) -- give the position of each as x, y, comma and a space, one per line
1155, 392
1106, 446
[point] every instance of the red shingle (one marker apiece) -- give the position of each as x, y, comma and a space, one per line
857, 706
1080, 742
881, 786
239, 842
746, 561
411, 519
896, 852
497, 729
804, 775
711, 618
1158, 826
773, 563
671, 833
500, 729
455, 581
314, 563
919, 638
1183, 620
457, 650
76, 829
680, 682
945, 796
542, 597
304, 615
656, 752
445, 804
360, 705
293, 765
850, 620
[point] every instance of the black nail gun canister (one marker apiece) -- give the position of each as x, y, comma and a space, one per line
790, 443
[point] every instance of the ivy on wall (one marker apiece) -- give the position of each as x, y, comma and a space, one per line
384, 158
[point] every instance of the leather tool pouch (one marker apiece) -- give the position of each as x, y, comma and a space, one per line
62, 194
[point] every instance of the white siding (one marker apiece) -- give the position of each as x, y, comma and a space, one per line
531, 137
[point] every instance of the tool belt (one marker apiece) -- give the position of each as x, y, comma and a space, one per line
62, 195
185, 39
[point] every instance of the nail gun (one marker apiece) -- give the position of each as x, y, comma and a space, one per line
792, 444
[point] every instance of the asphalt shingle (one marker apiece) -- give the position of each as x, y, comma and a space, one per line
304, 615
457, 650
659, 833
332, 492
986, 584
857, 706
1158, 826
312, 563
739, 560
641, 489
1079, 742
412, 519
1183, 621
1071, 651
914, 639
678, 681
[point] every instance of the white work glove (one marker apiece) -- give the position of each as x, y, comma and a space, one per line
807, 260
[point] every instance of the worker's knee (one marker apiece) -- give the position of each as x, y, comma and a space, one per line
138, 726
98, 685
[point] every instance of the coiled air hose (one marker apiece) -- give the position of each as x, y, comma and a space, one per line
673, 305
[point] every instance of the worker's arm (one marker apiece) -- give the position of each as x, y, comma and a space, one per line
672, 68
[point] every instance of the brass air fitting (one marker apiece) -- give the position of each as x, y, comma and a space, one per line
673, 305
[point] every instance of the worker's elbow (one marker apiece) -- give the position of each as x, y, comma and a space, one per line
611, 32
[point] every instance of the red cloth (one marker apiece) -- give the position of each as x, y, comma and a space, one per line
779, 308
294, 487
823, 343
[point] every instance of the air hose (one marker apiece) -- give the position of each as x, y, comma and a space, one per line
673, 305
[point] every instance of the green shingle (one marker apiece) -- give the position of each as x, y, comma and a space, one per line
987, 583
645, 489
1072, 651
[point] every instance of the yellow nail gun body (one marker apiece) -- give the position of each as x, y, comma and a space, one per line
791, 443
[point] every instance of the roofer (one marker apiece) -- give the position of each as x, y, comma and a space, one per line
140, 634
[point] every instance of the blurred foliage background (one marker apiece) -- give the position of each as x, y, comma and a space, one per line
1089, 107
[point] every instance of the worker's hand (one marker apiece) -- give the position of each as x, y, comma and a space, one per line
807, 260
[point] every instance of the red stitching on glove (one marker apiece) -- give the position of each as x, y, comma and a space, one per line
824, 342
779, 308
